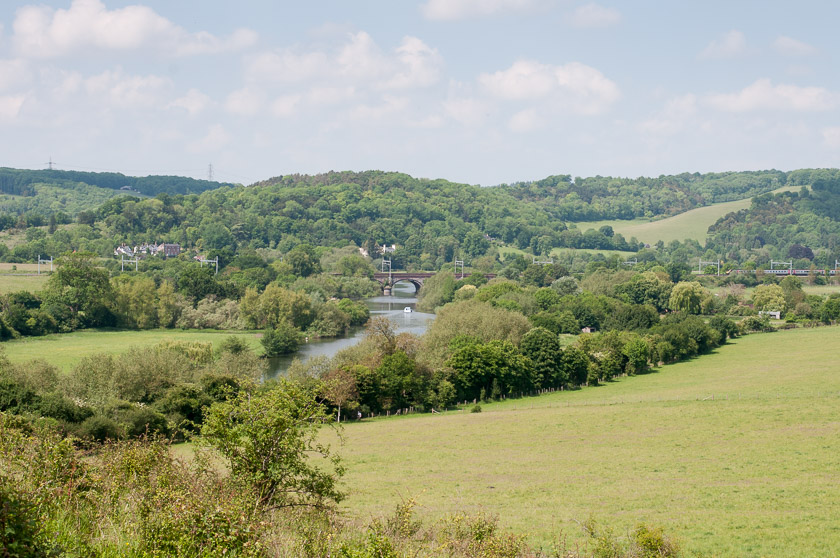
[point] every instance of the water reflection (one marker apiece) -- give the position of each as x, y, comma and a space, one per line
392, 307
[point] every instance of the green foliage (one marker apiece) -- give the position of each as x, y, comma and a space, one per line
769, 298
752, 324
269, 440
275, 305
197, 282
496, 364
330, 320
437, 290
358, 312
20, 528
403, 382
686, 296
100, 429
281, 340
567, 285
233, 345
652, 543
83, 288
473, 318
647, 288
542, 347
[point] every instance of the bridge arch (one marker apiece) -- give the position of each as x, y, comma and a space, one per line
416, 282
388, 279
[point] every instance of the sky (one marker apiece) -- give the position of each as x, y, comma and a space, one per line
474, 91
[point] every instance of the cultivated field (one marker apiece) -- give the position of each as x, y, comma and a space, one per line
66, 350
736, 453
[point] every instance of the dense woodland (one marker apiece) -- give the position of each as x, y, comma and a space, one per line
432, 221
602, 197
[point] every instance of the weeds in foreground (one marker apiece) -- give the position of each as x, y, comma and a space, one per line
134, 499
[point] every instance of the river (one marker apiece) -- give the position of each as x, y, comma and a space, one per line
392, 307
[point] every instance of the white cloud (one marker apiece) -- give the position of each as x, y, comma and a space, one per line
245, 102
673, 117
763, 95
285, 106
330, 95
525, 79
418, 65
215, 139
14, 73
287, 66
127, 91
465, 108
10, 106
831, 137
390, 106
792, 47
574, 85
361, 58
358, 61
42, 32
194, 102
525, 121
731, 45
449, 10
593, 15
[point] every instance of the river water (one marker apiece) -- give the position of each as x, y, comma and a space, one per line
392, 307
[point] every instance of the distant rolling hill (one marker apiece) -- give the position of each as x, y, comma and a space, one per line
47, 192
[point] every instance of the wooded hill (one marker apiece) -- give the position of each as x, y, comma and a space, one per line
47, 192
17, 181
793, 224
604, 197
431, 221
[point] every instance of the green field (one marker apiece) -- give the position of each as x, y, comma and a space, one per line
10, 283
736, 453
66, 350
692, 224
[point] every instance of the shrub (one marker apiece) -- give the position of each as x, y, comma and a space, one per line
56, 405
100, 429
652, 543
755, 324
233, 345
267, 435
139, 421
184, 406
19, 524
281, 340
476, 408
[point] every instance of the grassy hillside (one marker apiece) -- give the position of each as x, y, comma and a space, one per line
693, 224
735, 453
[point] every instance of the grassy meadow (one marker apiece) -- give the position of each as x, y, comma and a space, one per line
66, 350
22, 277
736, 453
10, 283
692, 224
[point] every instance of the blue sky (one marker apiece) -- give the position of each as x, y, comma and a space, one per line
476, 91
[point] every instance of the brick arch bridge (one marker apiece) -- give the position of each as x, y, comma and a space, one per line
416, 278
